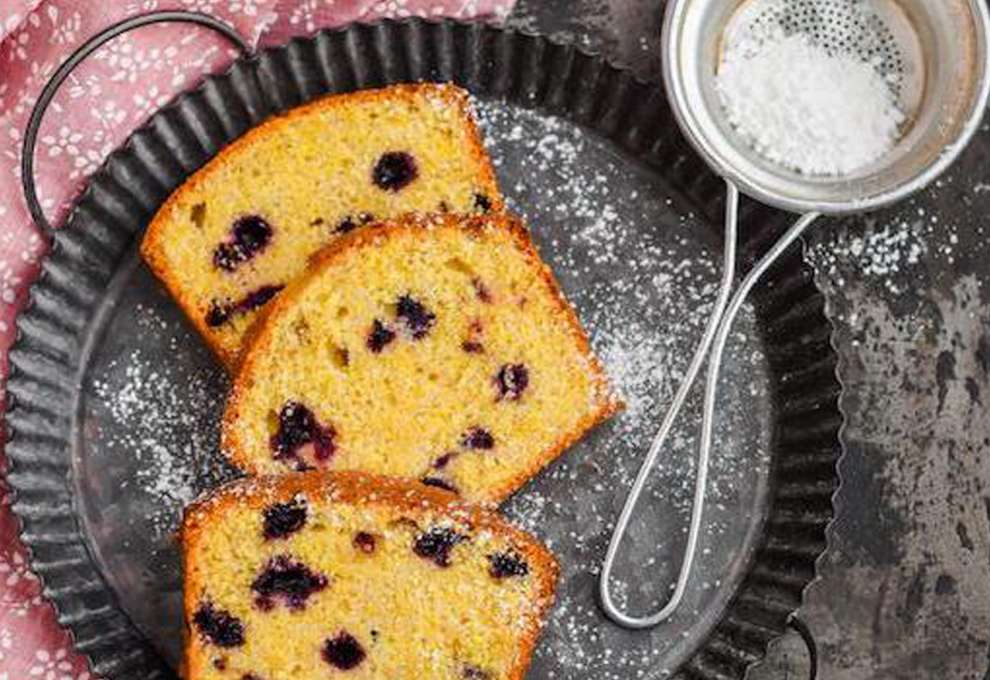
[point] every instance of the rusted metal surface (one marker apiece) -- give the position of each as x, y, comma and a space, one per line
905, 587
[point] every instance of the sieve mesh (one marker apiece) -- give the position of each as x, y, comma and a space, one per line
874, 31
931, 56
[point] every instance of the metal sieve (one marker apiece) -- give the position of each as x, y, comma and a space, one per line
933, 54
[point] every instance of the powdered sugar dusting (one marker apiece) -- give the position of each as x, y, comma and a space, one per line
636, 266
634, 363
169, 432
888, 252
804, 106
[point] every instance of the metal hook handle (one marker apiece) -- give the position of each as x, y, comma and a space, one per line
795, 623
604, 586
63, 72
712, 347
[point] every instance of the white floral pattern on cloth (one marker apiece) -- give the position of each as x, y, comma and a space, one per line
104, 99
295, 17
13, 14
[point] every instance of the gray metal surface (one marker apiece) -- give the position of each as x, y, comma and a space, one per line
905, 587
113, 402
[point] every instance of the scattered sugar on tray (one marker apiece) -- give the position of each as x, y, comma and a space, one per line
169, 431
644, 304
633, 358
806, 107
885, 253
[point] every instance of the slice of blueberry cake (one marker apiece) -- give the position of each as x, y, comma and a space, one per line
228, 240
434, 348
341, 574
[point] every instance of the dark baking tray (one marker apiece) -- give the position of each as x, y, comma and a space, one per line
100, 541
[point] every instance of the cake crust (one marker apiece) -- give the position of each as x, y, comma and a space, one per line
606, 403
358, 488
153, 244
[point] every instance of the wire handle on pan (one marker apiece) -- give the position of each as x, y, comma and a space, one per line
84, 50
712, 347
795, 623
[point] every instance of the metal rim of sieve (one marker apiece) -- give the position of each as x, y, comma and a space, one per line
938, 133
684, 51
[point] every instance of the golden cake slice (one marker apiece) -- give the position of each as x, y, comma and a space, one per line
324, 575
242, 227
434, 348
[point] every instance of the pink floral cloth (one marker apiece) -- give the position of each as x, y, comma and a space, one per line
105, 98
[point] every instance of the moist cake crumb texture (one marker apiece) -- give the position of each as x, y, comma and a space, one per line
397, 300
242, 228
386, 579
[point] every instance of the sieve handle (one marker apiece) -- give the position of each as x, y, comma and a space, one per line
712, 347
701, 353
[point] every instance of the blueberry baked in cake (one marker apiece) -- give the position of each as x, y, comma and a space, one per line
346, 575
434, 348
238, 231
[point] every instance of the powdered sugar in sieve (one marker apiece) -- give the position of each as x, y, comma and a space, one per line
823, 87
